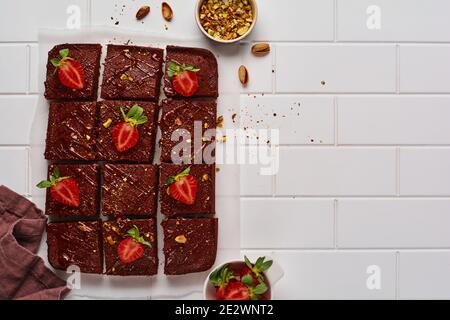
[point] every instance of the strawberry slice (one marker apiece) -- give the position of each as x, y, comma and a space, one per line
184, 78
70, 72
64, 190
234, 290
132, 247
183, 187
125, 135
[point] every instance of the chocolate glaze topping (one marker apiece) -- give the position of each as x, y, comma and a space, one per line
200, 58
205, 199
180, 115
88, 55
132, 73
197, 253
86, 177
70, 131
116, 231
75, 243
129, 189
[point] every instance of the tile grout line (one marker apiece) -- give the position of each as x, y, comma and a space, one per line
397, 275
28, 69
335, 22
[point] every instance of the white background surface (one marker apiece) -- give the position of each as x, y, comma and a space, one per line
364, 160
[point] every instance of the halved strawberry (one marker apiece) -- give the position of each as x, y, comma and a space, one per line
132, 247
183, 187
125, 134
64, 190
220, 278
184, 78
70, 72
234, 290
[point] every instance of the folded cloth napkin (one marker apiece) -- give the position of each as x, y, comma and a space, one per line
23, 274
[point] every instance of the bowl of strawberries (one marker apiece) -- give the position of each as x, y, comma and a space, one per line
243, 280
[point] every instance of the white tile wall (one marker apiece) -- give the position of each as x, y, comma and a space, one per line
302, 120
335, 68
393, 223
19, 110
332, 274
22, 19
370, 134
424, 68
14, 171
400, 20
299, 20
393, 120
14, 67
424, 275
425, 171
302, 223
336, 171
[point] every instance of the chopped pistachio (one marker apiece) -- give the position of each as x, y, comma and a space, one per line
107, 123
180, 239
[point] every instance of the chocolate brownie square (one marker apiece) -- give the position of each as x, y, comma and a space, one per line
110, 116
118, 258
88, 55
132, 73
129, 189
199, 58
75, 243
71, 131
190, 245
86, 177
182, 117
204, 175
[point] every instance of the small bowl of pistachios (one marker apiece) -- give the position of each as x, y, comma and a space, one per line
226, 21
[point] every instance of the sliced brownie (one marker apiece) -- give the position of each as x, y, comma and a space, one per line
129, 189
201, 59
190, 245
75, 243
130, 247
88, 56
187, 121
71, 131
110, 116
132, 73
178, 196
86, 178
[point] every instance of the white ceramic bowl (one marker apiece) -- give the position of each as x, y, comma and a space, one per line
255, 18
273, 275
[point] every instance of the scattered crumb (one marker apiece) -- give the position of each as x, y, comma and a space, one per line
233, 117
116, 23
322, 82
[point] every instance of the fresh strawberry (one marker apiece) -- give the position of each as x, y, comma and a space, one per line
255, 270
125, 134
220, 278
183, 187
70, 72
234, 290
64, 190
132, 247
184, 78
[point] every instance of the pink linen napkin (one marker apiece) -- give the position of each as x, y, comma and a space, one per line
23, 274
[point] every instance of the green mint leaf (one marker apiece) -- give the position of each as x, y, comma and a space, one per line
54, 62
141, 120
170, 180
260, 289
184, 173
56, 173
135, 111
266, 265
144, 242
133, 232
247, 280
44, 184
64, 53
259, 261
247, 262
